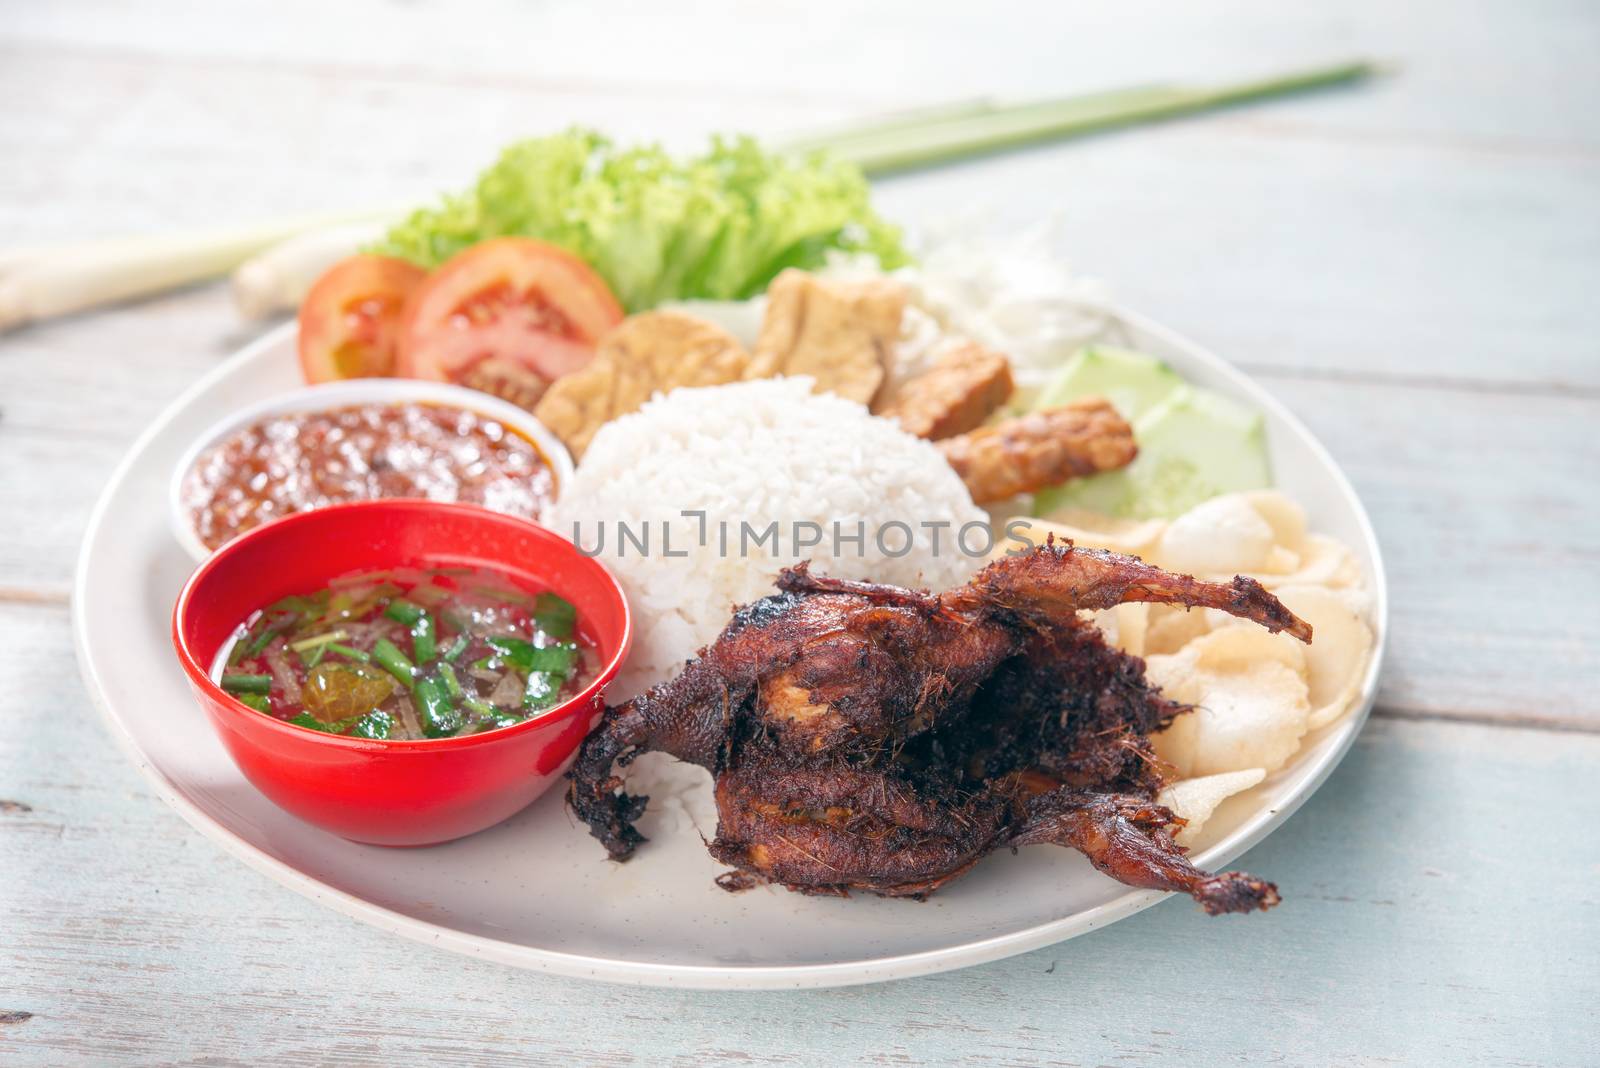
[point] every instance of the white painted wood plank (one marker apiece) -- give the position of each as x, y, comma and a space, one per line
1489, 536
120, 144
1352, 260
1490, 71
1294, 241
1438, 910
1437, 227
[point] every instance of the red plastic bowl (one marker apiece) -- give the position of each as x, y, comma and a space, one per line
397, 793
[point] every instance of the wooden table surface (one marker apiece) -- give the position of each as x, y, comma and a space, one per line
1412, 266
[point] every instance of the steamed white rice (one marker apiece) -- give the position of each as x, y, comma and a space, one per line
755, 452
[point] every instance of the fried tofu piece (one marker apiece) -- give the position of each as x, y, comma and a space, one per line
1083, 437
965, 385
653, 352
839, 332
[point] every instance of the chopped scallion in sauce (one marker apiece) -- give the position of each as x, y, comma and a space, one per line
409, 654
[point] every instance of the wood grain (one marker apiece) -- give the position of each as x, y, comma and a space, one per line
1350, 260
1410, 266
1416, 888
1387, 247
1487, 75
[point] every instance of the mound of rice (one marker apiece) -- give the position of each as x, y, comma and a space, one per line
754, 453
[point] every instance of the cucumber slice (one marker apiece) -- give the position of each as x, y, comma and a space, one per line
1133, 382
1193, 446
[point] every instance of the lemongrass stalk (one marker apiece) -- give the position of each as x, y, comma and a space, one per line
857, 131
44, 283
40, 283
277, 278
974, 132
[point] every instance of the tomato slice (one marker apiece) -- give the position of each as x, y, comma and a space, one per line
350, 320
507, 316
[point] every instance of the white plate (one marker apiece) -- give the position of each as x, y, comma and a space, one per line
535, 891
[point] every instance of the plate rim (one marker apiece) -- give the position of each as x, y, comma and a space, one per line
727, 977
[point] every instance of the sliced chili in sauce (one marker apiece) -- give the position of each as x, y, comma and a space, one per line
304, 460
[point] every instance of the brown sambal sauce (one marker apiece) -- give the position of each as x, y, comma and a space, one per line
304, 460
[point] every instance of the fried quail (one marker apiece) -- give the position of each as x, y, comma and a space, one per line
874, 738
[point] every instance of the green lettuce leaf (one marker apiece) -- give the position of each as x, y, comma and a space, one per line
718, 226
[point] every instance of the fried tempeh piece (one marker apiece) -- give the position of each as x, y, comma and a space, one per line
1083, 437
652, 352
962, 388
839, 332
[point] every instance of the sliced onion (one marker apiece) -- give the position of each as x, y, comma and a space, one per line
507, 693
282, 673
407, 715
